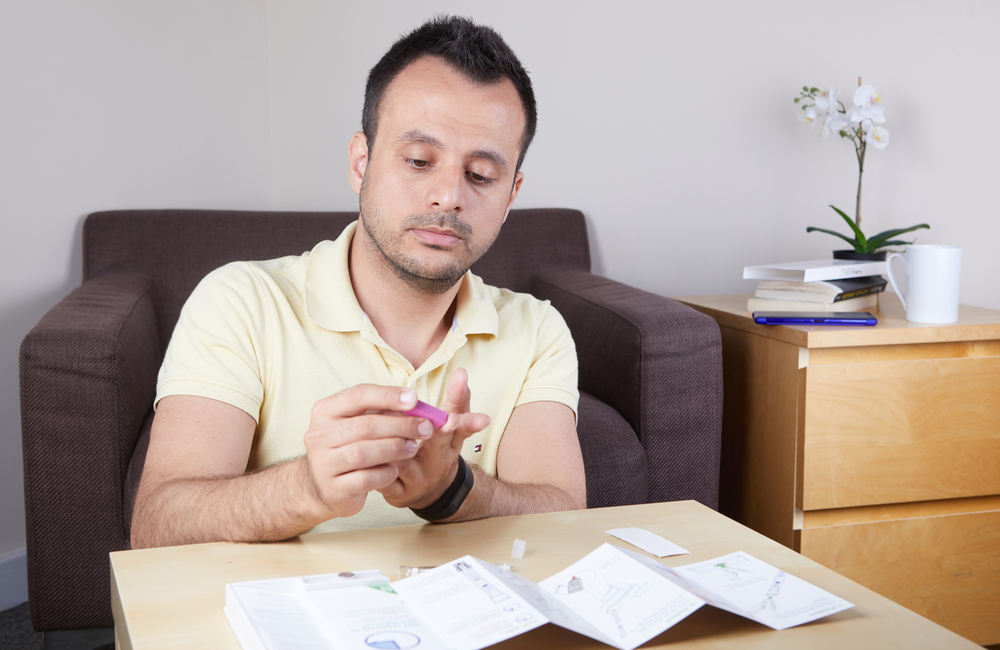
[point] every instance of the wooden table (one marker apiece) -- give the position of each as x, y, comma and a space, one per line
173, 597
872, 450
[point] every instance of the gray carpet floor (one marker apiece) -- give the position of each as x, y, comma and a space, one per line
16, 632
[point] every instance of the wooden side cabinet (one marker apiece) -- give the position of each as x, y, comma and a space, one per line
872, 450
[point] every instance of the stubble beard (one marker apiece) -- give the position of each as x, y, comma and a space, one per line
413, 271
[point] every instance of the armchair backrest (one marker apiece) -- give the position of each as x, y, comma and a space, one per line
177, 248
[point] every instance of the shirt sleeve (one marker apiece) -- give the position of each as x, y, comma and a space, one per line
552, 376
219, 345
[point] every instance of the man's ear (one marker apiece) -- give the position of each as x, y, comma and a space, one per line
357, 158
518, 179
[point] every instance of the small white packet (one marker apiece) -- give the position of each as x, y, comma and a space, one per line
647, 541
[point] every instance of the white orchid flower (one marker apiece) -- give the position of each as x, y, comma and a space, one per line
832, 123
826, 100
809, 116
867, 106
866, 96
877, 136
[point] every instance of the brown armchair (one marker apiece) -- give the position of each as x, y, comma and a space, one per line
650, 377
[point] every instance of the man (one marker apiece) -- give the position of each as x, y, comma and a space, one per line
301, 369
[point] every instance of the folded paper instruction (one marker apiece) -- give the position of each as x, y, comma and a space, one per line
613, 595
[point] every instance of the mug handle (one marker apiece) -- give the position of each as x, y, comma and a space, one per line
892, 280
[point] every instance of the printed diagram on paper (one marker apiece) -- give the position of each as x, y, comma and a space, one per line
620, 596
744, 585
770, 599
731, 568
613, 596
479, 581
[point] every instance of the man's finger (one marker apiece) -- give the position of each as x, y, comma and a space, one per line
364, 455
373, 426
363, 398
458, 397
345, 495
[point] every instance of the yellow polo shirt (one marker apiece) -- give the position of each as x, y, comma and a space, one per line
273, 338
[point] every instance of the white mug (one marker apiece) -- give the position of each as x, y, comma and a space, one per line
933, 279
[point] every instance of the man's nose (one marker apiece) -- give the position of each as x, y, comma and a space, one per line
447, 190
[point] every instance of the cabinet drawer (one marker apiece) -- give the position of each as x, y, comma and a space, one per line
900, 431
945, 568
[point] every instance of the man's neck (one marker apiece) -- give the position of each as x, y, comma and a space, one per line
412, 322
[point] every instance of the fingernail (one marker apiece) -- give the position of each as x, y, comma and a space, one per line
412, 446
408, 397
425, 429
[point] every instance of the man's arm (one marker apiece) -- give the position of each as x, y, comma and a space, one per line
194, 488
539, 467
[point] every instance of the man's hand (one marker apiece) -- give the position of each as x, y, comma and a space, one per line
422, 479
356, 442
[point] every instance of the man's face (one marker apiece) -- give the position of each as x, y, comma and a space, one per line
439, 181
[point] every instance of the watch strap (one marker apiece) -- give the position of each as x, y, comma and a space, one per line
453, 497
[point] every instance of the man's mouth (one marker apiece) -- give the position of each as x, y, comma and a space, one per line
440, 237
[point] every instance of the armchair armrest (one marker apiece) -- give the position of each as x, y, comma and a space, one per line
88, 376
659, 364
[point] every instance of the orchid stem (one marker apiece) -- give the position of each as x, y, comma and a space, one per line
861, 170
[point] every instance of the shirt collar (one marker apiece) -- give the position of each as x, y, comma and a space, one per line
329, 297
476, 313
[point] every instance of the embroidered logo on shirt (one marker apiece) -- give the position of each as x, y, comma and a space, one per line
478, 448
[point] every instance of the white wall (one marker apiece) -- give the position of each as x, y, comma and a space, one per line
670, 124
112, 104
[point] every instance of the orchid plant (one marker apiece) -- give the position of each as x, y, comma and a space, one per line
862, 125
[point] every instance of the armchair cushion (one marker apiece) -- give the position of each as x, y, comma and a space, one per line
613, 456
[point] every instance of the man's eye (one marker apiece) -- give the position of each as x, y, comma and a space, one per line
478, 178
419, 164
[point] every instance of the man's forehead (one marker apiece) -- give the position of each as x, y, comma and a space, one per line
430, 89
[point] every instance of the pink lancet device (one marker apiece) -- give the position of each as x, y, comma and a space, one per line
434, 414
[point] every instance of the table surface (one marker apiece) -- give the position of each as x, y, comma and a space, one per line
974, 324
173, 597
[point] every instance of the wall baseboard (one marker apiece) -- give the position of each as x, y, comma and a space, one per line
13, 578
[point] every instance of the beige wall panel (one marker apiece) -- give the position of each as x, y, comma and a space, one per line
875, 432
945, 568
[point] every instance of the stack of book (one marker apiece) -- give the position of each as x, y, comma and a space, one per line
816, 285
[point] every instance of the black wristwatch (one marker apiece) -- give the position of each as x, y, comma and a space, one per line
453, 497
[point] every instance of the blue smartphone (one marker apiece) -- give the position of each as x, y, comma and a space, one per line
814, 318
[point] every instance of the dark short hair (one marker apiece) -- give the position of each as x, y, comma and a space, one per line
475, 51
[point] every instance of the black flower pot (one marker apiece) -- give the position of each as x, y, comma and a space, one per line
877, 256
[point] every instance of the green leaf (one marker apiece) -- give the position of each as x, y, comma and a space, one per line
852, 242
880, 239
796, 100
862, 244
805, 88
814, 90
